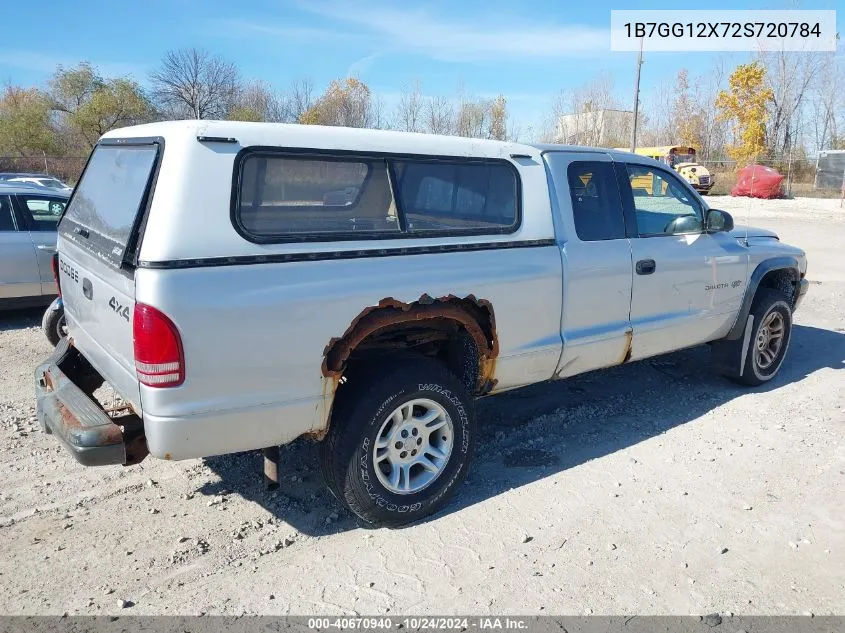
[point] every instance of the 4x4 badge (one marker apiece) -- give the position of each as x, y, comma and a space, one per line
123, 311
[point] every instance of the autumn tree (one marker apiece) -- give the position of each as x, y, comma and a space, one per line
744, 104
193, 83
473, 118
346, 102
498, 119
257, 101
25, 121
89, 105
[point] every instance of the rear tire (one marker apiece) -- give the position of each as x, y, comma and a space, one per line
53, 324
400, 446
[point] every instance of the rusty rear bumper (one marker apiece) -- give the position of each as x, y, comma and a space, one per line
65, 409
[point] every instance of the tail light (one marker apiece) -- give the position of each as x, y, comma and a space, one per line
55, 263
159, 359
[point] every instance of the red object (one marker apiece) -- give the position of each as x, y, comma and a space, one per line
758, 181
159, 359
55, 263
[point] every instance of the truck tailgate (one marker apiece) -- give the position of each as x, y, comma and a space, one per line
99, 300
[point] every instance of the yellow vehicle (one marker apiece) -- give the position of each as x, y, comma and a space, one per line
682, 160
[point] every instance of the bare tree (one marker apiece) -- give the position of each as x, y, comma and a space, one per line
827, 108
790, 76
257, 101
439, 116
589, 115
299, 99
378, 116
409, 111
193, 83
714, 130
498, 119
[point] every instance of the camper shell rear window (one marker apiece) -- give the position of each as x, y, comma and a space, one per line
282, 197
107, 206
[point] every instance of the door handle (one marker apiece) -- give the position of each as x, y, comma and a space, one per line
44, 247
646, 266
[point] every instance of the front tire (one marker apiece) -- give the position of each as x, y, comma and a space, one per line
400, 447
768, 341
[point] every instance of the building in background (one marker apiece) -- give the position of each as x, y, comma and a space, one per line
830, 169
600, 128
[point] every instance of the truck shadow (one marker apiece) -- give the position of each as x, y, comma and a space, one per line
21, 318
531, 433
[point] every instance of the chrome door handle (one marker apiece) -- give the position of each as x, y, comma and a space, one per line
44, 247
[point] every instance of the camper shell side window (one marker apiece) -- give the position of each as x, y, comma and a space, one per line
279, 196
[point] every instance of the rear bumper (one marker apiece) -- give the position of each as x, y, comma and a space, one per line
803, 287
65, 409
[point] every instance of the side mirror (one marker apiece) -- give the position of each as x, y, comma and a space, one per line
719, 221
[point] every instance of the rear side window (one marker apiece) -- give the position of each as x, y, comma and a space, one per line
288, 195
445, 196
596, 204
41, 213
110, 194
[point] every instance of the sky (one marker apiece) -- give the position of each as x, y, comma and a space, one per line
528, 51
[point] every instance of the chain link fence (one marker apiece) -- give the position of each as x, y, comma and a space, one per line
65, 168
803, 177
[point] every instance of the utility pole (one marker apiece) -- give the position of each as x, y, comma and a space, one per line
637, 98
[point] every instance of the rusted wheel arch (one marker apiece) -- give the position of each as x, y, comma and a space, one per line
474, 315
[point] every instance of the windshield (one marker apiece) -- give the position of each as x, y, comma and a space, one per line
109, 195
684, 158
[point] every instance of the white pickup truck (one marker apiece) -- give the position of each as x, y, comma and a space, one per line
243, 284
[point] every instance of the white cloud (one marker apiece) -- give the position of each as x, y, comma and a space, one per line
386, 27
360, 66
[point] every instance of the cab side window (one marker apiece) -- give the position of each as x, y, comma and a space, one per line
662, 204
7, 219
596, 205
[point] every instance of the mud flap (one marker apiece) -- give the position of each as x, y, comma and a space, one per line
728, 357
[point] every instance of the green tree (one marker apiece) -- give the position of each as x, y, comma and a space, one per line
745, 105
242, 112
25, 124
90, 105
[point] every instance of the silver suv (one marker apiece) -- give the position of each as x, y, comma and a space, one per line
243, 284
28, 219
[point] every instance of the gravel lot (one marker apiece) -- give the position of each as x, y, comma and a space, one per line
653, 488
